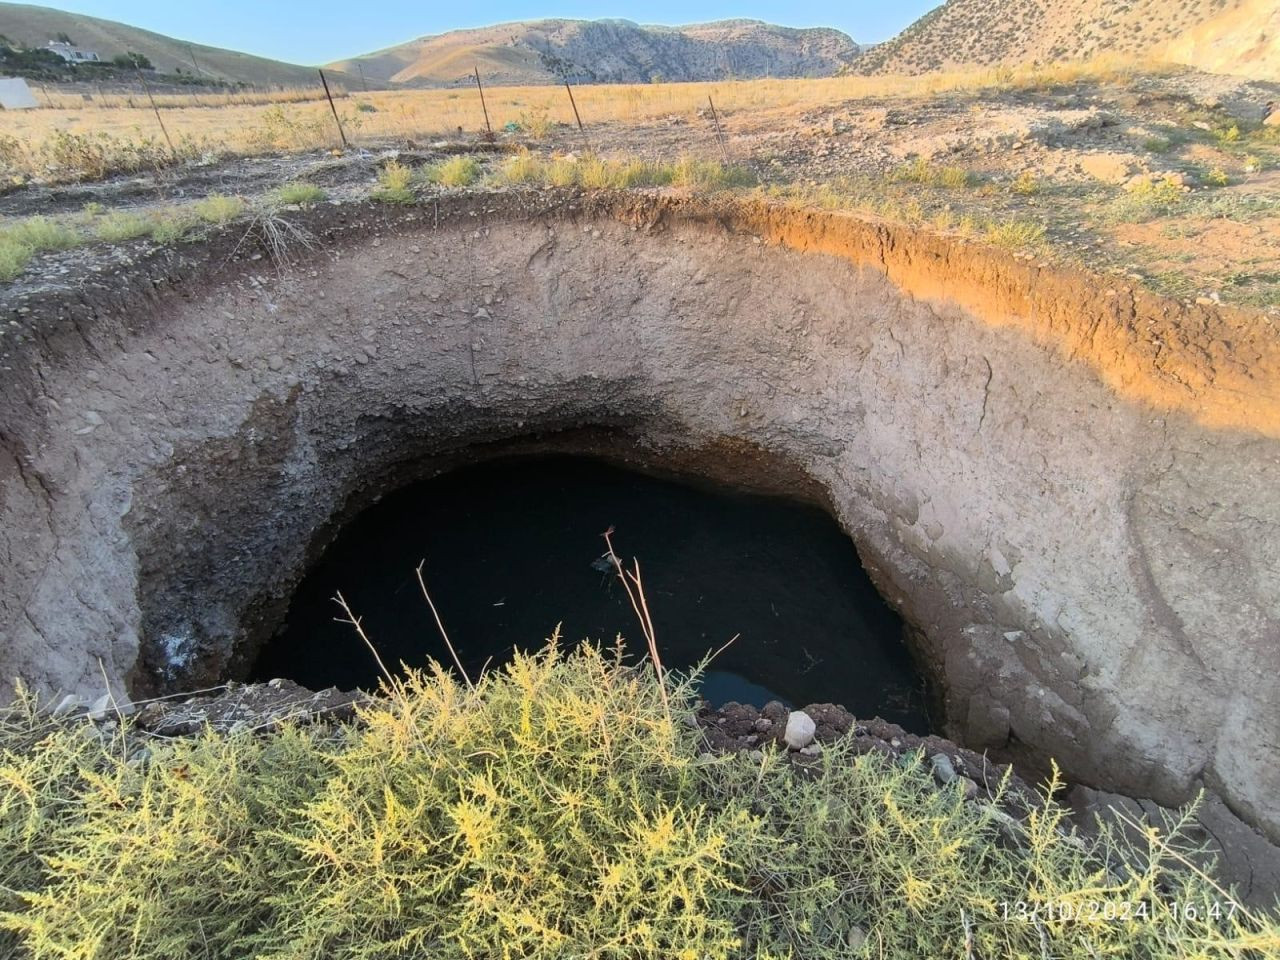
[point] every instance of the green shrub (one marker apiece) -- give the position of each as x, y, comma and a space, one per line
595, 173
641, 173
555, 812
395, 184
1227, 135
710, 175
21, 241
1217, 177
536, 123
14, 257
218, 208
119, 225
460, 171
174, 858
1026, 185
524, 167
299, 194
1016, 234
41, 233
560, 809
40, 768
562, 172
172, 226
923, 172
1146, 200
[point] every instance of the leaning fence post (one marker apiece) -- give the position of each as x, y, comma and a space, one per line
720, 137
160, 121
574, 104
336, 119
483, 106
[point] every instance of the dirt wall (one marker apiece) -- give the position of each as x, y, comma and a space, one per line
1068, 489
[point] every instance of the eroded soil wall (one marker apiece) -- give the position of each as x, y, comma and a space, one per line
1071, 492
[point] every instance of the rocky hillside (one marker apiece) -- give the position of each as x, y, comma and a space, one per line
610, 51
33, 26
1244, 39
967, 33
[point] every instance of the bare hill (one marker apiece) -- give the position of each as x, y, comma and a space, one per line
968, 33
35, 26
1244, 39
610, 51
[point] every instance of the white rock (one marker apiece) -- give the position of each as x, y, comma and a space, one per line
101, 708
800, 730
104, 707
68, 705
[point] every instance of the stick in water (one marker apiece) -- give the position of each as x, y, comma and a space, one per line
453, 653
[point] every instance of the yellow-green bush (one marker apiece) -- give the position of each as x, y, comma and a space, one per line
172, 225
923, 172
395, 184
523, 167
120, 225
301, 194
218, 208
558, 809
1016, 234
1146, 200
594, 172
25, 238
554, 812
710, 175
460, 171
42, 233
14, 257
562, 172
177, 857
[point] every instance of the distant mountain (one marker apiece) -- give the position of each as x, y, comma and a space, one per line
973, 33
34, 26
609, 51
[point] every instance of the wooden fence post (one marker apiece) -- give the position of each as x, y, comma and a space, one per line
483, 105
159, 120
336, 119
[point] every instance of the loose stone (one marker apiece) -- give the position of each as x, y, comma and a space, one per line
800, 730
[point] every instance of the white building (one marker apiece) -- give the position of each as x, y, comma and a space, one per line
71, 53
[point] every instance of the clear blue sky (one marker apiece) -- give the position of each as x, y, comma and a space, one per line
319, 31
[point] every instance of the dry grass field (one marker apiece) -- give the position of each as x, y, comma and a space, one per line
1152, 171
301, 119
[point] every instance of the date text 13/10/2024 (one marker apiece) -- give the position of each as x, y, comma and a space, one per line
1109, 910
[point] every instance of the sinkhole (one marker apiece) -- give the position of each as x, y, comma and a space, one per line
513, 549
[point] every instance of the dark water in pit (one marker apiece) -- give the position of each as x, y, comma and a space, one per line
510, 547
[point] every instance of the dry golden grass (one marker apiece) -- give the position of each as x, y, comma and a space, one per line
244, 127
197, 97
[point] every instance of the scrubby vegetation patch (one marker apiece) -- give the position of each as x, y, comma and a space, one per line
560, 808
